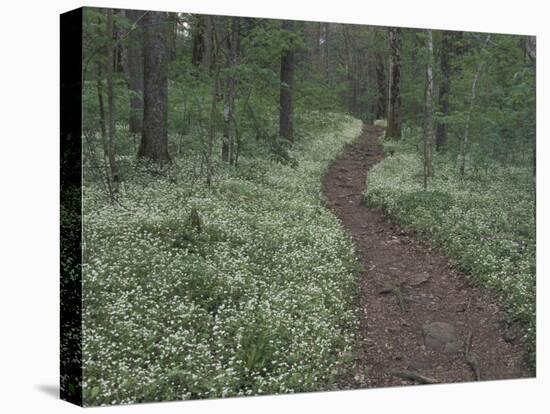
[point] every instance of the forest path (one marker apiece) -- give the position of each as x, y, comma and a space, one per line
407, 287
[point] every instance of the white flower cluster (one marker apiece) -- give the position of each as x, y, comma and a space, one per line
258, 300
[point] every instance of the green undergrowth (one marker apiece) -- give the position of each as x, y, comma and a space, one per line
484, 222
242, 288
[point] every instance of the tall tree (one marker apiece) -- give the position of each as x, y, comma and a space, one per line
203, 38
531, 48
394, 101
101, 107
132, 62
428, 113
465, 137
197, 33
327, 40
531, 51
154, 139
317, 39
215, 97
444, 89
449, 48
229, 144
382, 101
380, 75
172, 36
352, 67
109, 149
286, 122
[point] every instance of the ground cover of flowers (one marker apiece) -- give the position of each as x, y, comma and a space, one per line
257, 298
483, 221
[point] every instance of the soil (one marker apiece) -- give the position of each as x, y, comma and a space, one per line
407, 286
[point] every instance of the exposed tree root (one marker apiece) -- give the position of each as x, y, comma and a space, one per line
414, 376
471, 359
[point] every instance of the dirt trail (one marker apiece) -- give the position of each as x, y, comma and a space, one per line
393, 336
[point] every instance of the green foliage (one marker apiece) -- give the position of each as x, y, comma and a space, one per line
484, 222
259, 301
502, 121
266, 42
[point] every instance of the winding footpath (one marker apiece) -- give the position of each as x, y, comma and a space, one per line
417, 313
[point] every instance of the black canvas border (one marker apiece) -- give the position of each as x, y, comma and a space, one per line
71, 206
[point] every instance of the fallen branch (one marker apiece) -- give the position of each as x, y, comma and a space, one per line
413, 376
471, 359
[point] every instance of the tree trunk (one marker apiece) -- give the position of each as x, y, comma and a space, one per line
211, 130
531, 51
394, 106
203, 32
207, 42
352, 69
531, 48
326, 50
428, 114
215, 68
317, 48
444, 90
286, 126
111, 131
197, 34
229, 135
381, 85
464, 142
132, 62
104, 138
102, 124
172, 36
154, 139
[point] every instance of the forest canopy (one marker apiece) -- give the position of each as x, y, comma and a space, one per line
237, 84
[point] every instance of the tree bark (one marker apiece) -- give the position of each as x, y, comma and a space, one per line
154, 139
286, 124
317, 59
203, 38
326, 50
229, 146
172, 36
132, 62
381, 85
211, 130
102, 123
352, 69
464, 142
394, 106
215, 67
197, 34
444, 90
531, 50
428, 114
207, 43
104, 137
111, 129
